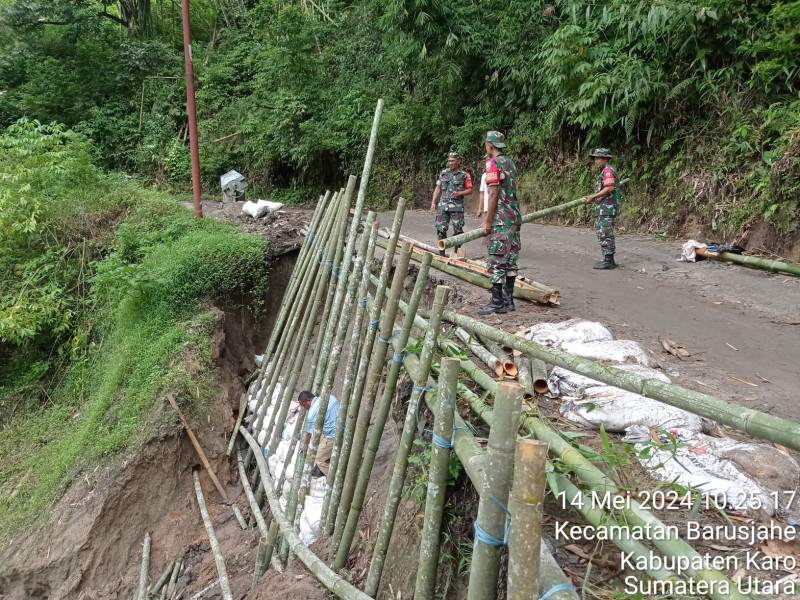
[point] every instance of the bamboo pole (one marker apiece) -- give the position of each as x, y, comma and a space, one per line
251, 499
523, 291
202, 592
239, 417
225, 587
768, 264
468, 236
538, 375
369, 370
356, 479
330, 579
198, 449
163, 579
508, 364
756, 423
474, 346
238, 514
300, 426
490, 526
358, 470
526, 506
524, 375
261, 560
347, 412
438, 475
142, 592
404, 446
173, 579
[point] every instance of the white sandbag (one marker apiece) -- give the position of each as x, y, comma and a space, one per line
318, 487
259, 208
739, 474
258, 359
573, 330
310, 519
615, 351
591, 403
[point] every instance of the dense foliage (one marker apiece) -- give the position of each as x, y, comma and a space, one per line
106, 294
701, 96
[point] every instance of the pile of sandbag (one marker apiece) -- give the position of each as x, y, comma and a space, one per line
259, 208
592, 403
736, 475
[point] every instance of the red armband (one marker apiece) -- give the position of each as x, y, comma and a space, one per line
492, 173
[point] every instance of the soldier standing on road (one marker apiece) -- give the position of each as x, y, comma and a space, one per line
502, 223
453, 184
606, 206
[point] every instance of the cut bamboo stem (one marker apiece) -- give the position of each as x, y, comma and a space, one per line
142, 593
539, 375
524, 375
357, 479
438, 475
491, 524
369, 370
508, 364
212, 539
239, 517
347, 414
163, 579
768, 264
525, 506
404, 446
479, 350
261, 560
330, 579
756, 423
198, 449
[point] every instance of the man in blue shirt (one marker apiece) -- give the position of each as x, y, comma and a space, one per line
311, 403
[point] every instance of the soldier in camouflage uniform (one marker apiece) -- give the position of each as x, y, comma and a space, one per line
502, 223
451, 187
606, 206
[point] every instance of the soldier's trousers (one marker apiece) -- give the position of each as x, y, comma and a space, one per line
604, 227
504, 247
443, 219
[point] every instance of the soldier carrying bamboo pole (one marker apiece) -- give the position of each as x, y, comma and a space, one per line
606, 206
502, 223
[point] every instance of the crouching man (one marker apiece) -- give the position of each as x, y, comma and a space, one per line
311, 403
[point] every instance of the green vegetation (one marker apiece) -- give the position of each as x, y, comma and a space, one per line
107, 298
701, 96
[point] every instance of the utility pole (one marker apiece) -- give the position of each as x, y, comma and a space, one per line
191, 109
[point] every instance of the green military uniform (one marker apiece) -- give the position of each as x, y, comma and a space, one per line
451, 208
504, 240
606, 209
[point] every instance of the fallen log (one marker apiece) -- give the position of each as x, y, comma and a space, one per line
774, 266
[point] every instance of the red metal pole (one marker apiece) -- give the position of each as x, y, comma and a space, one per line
191, 109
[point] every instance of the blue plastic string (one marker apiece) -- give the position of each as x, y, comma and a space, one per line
556, 588
374, 324
266, 452
482, 536
363, 301
352, 288
386, 341
400, 356
443, 443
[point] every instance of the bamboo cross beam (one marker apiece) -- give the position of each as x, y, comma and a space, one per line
756, 423
198, 449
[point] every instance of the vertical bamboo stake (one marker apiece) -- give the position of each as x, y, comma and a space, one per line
348, 414
438, 474
351, 239
212, 538
525, 506
173, 578
372, 366
142, 593
404, 447
163, 579
261, 562
492, 514
300, 426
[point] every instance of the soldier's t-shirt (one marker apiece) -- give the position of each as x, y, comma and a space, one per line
453, 181
501, 171
607, 205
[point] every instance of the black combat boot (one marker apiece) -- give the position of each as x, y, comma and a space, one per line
606, 263
497, 305
508, 294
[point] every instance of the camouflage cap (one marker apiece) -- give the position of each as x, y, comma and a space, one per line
497, 139
455, 155
601, 153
